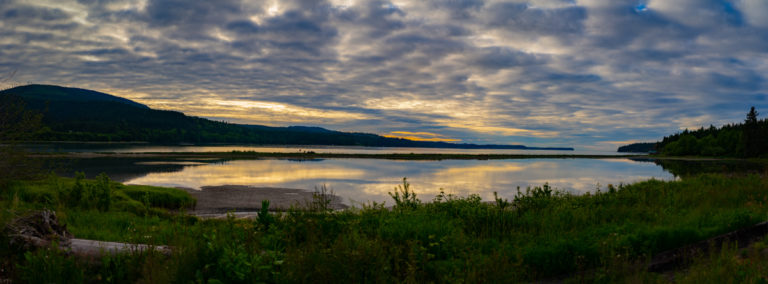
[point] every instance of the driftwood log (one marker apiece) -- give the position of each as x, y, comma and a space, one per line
37, 229
95, 249
42, 229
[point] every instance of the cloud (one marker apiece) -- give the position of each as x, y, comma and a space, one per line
420, 136
539, 72
527, 18
495, 58
756, 12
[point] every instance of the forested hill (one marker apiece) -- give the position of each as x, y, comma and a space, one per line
41, 94
748, 139
71, 114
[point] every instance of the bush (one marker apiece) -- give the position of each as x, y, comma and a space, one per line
536, 198
132, 206
152, 196
542, 234
50, 265
39, 195
75, 194
103, 191
404, 197
560, 257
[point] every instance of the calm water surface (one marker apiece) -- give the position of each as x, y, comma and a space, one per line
362, 180
143, 148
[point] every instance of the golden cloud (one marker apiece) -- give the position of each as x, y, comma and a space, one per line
420, 136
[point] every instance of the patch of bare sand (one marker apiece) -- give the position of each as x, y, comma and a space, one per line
245, 201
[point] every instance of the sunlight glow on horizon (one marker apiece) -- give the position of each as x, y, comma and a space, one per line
420, 136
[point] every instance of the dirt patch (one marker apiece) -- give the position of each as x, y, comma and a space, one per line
241, 198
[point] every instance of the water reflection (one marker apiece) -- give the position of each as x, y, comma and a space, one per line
683, 168
271, 173
364, 180
119, 169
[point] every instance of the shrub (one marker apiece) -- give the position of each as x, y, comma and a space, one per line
501, 203
50, 265
404, 197
39, 194
75, 195
264, 219
152, 196
535, 198
103, 189
322, 199
130, 205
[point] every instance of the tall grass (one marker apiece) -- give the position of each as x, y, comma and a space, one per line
543, 233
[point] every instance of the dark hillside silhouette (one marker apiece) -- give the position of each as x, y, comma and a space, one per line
53, 94
71, 114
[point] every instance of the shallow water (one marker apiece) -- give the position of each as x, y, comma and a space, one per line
363, 180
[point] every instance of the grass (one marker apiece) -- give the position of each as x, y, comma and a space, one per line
154, 196
730, 265
541, 233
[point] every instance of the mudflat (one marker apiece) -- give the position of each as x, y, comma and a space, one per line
243, 199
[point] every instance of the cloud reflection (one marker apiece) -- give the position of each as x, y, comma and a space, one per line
365, 180
262, 173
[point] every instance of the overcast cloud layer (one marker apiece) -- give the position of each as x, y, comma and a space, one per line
591, 74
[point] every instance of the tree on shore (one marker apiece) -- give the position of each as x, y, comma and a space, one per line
751, 116
753, 140
16, 124
748, 139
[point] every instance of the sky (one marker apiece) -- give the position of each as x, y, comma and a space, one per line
591, 74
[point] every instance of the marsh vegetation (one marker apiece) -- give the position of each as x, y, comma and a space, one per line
539, 233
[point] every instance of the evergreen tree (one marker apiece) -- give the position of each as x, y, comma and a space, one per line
752, 144
751, 117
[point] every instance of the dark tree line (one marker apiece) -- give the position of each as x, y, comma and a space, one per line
748, 139
638, 148
16, 123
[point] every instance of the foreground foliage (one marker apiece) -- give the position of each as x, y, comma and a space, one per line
541, 233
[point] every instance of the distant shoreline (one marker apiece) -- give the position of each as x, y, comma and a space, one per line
311, 156
449, 146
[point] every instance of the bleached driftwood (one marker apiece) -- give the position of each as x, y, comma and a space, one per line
91, 248
42, 228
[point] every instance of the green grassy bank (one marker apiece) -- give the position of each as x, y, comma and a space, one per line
539, 234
